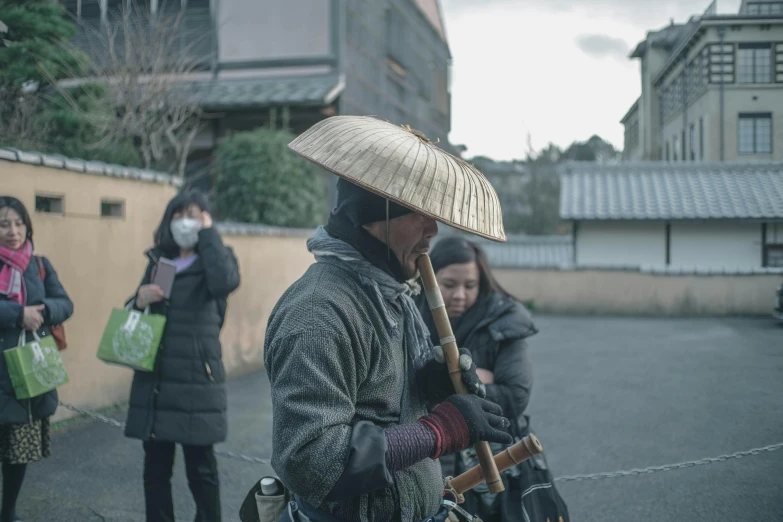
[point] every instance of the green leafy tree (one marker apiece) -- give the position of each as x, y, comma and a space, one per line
259, 180
71, 131
32, 49
36, 115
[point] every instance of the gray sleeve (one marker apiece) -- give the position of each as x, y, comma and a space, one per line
314, 375
375, 453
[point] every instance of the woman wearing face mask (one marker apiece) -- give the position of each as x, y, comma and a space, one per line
31, 300
184, 400
493, 325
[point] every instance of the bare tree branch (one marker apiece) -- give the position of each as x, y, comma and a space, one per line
142, 61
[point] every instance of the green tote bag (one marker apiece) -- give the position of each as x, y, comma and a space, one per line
132, 338
36, 367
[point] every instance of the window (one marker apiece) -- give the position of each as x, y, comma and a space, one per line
773, 256
721, 63
763, 8
50, 204
701, 139
755, 133
112, 209
692, 141
755, 63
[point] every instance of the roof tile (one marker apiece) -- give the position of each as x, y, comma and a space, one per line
658, 190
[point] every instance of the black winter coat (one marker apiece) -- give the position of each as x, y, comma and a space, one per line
184, 399
496, 340
58, 309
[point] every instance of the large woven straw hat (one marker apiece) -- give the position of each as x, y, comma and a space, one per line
402, 165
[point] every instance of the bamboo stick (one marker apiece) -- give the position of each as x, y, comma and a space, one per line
451, 353
511, 456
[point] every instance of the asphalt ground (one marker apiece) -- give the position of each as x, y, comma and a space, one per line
609, 394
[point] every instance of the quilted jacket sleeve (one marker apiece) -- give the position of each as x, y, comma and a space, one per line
59, 307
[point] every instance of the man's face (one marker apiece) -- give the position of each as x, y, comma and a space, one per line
409, 238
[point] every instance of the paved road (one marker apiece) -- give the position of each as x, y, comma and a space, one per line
609, 394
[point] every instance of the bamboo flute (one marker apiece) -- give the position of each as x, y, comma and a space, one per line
451, 352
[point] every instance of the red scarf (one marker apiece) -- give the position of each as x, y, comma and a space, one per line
12, 273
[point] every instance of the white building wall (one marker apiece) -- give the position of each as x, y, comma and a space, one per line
716, 245
631, 243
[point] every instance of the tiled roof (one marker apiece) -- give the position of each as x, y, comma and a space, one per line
266, 92
658, 190
531, 252
520, 250
231, 228
99, 168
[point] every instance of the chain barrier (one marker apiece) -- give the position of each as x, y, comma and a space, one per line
121, 425
566, 478
670, 467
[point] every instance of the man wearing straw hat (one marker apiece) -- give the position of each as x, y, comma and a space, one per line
349, 359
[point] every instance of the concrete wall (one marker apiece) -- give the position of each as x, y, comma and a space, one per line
100, 262
253, 30
617, 292
268, 266
620, 243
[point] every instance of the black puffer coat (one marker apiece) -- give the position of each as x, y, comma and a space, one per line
184, 399
495, 334
58, 309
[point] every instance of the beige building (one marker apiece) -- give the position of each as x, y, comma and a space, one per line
712, 89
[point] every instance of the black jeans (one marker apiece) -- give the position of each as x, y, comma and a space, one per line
201, 468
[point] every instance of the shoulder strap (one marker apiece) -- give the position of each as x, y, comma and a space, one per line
41, 269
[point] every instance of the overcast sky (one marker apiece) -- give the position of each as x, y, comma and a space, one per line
558, 69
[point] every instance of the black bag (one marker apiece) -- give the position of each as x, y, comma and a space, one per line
530, 493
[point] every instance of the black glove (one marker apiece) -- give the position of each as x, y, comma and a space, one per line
435, 382
462, 420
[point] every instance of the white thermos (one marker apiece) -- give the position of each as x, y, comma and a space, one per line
270, 500
270, 487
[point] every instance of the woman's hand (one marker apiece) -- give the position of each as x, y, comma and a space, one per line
486, 376
147, 295
206, 220
33, 318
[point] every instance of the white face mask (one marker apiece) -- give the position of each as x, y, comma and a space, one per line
185, 232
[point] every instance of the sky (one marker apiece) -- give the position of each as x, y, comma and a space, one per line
557, 70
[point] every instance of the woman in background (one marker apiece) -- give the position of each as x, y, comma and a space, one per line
184, 400
494, 326
31, 300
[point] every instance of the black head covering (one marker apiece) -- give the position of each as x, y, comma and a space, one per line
356, 207
363, 207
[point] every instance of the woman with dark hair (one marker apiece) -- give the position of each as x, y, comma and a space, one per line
184, 399
31, 301
493, 326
